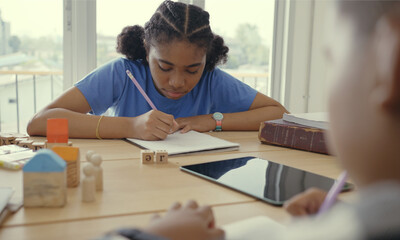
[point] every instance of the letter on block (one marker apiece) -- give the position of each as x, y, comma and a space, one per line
45, 180
36, 146
6, 139
26, 144
147, 156
161, 156
17, 140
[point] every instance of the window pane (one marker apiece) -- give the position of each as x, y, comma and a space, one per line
247, 28
113, 16
31, 59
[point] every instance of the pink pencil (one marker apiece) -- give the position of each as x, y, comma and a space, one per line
141, 89
333, 193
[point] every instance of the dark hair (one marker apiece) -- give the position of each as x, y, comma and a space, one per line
174, 21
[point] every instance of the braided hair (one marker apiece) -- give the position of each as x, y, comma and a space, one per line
174, 21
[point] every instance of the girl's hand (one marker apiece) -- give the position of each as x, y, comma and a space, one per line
187, 222
201, 123
153, 125
306, 203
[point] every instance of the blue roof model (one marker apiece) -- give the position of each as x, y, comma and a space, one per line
45, 160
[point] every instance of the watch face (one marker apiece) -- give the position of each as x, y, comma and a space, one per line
218, 116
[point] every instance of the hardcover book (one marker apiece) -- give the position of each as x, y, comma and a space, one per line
292, 135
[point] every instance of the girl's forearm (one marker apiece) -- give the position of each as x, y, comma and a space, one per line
250, 120
82, 125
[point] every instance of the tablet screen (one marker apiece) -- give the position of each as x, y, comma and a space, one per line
271, 182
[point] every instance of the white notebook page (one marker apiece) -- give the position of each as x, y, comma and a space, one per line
179, 143
255, 228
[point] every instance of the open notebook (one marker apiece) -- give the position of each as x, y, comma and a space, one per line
190, 142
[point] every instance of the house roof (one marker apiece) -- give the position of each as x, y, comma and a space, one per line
45, 160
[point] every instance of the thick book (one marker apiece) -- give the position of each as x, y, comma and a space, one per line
292, 135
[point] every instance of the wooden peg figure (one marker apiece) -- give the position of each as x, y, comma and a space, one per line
89, 155
98, 171
88, 184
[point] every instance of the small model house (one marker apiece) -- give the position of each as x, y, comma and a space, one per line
45, 180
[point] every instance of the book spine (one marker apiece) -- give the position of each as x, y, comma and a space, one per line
307, 139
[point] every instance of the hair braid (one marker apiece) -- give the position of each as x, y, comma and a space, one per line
174, 21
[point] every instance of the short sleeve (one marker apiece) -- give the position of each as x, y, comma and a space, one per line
103, 87
230, 95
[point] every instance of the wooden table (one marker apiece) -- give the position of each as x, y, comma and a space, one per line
134, 192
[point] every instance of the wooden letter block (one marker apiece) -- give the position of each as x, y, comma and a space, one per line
17, 140
7, 139
26, 144
161, 156
38, 145
147, 156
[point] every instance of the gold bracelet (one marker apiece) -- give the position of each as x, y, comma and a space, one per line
97, 128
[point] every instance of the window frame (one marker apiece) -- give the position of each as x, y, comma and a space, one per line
295, 80
80, 43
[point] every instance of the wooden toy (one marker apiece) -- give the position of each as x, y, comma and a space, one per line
36, 146
44, 179
26, 144
9, 138
98, 171
147, 156
89, 155
161, 156
72, 158
51, 145
6, 139
17, 140
88, 184
14, 157
57, 130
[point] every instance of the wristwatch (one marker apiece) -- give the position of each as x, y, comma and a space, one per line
218, 119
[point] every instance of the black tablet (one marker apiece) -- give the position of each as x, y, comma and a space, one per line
271, 182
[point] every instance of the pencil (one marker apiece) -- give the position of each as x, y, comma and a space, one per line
333, 193
141, 89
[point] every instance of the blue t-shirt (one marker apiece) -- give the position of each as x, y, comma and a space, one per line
110, 87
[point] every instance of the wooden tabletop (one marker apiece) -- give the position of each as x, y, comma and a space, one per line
133, 192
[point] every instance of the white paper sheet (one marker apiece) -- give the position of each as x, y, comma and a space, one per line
189, 142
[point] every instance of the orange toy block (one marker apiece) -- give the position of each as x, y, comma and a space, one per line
72, 158
57, 130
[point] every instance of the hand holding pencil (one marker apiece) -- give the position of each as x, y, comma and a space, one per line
315, 201
153, 125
